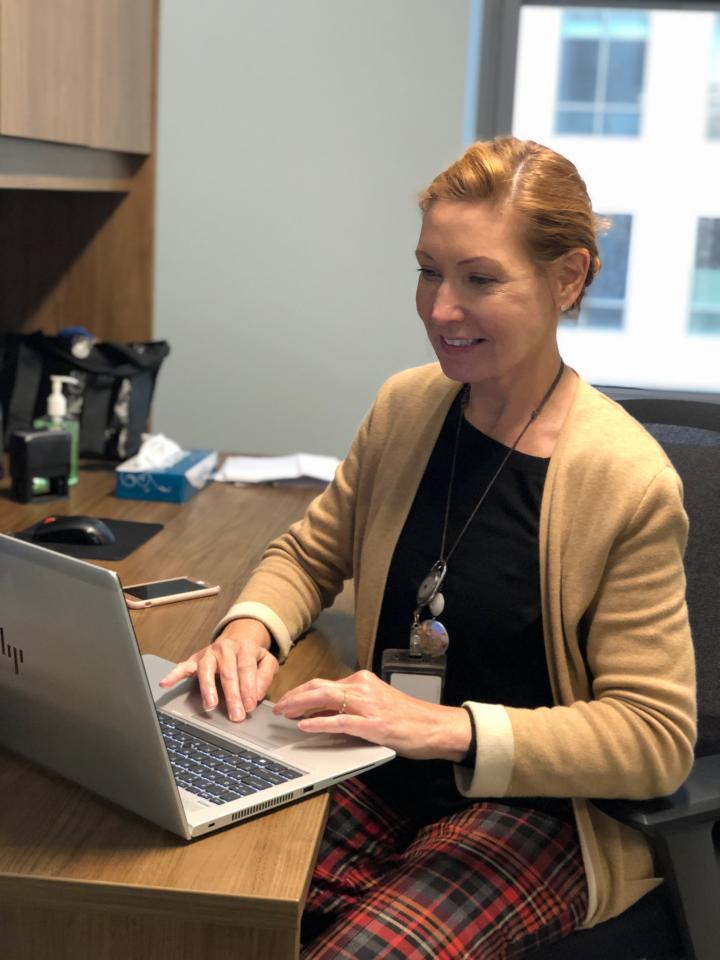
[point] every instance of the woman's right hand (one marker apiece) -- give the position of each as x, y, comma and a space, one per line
241, 657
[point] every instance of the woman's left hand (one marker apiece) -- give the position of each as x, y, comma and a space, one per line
363, 705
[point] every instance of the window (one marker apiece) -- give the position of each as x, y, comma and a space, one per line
604, 303
652, 317
705, 308
602, 66
713, 127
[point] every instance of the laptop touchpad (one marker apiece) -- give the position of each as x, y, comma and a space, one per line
261, 727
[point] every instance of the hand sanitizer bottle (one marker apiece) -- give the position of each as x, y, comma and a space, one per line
57, 418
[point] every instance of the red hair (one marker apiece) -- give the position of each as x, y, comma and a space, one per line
542, 188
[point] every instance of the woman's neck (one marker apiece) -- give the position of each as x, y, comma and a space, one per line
502, 409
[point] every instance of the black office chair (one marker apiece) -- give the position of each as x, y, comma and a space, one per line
680, 920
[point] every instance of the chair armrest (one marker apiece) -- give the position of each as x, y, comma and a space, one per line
696, 801
680, 828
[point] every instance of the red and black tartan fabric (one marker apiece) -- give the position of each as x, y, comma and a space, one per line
492, 882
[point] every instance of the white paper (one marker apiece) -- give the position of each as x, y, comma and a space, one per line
296, 466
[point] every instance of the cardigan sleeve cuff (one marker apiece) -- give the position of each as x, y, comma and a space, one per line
250, 610
495, 753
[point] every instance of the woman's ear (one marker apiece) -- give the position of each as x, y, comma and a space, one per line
568, 274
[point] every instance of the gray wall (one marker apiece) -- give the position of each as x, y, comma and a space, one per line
293, 138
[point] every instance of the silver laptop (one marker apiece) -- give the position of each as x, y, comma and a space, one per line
77, 698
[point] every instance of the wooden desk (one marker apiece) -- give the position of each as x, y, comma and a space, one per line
81, 879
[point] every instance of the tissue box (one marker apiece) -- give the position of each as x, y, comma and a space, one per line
174, 484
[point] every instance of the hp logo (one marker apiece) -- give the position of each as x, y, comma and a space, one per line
8, 650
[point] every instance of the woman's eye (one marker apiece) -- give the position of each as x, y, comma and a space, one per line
480, 281
427, 273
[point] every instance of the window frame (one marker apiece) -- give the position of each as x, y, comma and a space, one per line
598, 106
499, 33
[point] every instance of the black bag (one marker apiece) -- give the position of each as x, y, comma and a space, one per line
111, 402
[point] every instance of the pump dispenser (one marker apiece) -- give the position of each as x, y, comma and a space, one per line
57, 419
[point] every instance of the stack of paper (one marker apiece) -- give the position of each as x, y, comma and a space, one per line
299, 469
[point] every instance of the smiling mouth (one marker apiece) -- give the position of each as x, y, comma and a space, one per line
456, 342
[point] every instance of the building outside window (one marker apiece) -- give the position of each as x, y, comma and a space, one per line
652, 316
713, 130
603, 306
705, 308
602, 67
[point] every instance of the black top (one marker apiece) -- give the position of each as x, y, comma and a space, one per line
492, 598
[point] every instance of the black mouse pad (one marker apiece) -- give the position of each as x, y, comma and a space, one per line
129, 535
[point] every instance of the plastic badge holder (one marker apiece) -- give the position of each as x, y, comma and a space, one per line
418, 676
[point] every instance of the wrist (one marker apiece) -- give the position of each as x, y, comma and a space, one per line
247, 628
460, 735
471, 753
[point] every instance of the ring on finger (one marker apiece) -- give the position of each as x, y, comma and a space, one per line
343, 708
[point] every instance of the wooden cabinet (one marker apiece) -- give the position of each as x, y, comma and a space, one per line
77, 72
77, 177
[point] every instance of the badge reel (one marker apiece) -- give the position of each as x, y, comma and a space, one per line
419, 670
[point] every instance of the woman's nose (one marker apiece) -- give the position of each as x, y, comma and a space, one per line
446, 307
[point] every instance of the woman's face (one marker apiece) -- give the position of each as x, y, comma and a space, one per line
487, 309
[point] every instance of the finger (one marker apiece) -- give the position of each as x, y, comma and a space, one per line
187, 668
288, 703
347, 723
206, 671
303, 701
290, 696
266, 670
246, 667
228, 670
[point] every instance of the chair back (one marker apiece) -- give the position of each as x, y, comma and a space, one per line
689, 431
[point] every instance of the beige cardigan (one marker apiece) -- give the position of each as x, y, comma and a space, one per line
618, 646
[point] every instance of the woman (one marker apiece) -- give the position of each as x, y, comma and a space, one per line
550, 527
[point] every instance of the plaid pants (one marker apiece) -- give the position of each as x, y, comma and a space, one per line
491, 882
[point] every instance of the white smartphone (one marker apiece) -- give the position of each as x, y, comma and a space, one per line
152, 594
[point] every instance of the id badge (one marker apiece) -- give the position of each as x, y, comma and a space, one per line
418, 676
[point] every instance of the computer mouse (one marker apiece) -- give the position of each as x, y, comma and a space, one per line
81, 530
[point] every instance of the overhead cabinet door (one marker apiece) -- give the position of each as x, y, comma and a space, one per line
77, 72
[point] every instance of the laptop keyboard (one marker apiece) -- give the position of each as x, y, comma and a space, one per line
217, 773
